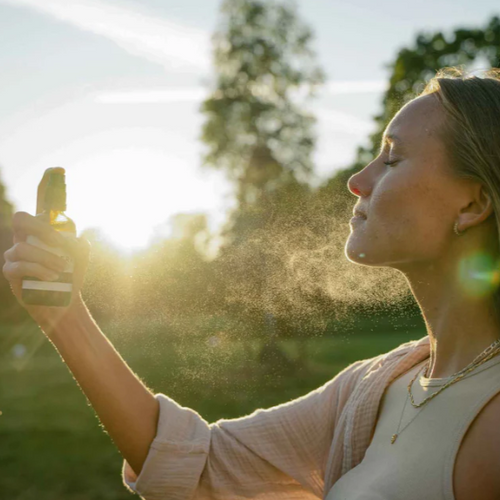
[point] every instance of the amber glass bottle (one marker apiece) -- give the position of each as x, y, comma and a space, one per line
58, 292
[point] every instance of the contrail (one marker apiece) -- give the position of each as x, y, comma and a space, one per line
356, 87
344, 122
160, 95
167, 43
173, 94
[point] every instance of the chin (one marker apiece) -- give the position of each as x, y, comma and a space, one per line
354, 254
359, 252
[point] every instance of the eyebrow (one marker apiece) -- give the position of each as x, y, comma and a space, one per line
387, 138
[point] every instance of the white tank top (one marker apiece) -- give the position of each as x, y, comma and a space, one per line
420, 462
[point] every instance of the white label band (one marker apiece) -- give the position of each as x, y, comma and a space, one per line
47, 286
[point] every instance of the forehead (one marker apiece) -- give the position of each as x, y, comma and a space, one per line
417, 121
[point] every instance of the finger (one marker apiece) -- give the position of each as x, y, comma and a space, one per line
42, 187
20, 269
70, 243
25, 224
26, 252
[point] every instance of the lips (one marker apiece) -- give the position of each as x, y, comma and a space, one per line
358, 213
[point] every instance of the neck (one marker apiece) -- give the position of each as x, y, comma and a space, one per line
452, 353
459, 327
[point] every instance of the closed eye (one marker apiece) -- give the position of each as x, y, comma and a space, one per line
389, 163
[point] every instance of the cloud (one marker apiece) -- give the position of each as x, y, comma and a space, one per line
356, 87
144, 96
328, 118
334, 120
170, 44
166, 95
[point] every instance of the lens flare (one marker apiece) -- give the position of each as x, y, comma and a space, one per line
479, 274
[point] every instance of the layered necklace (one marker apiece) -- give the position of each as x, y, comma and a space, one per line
486, 355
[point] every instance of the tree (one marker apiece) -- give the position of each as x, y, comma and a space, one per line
255, 131
414, 66
10, 310
258, 132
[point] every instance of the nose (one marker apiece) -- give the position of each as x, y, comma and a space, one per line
361, 183
352, 186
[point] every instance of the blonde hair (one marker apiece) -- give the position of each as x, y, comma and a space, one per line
471, 128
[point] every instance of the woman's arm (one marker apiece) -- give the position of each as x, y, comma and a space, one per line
126, 407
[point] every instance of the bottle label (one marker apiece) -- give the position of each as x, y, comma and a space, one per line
65, 281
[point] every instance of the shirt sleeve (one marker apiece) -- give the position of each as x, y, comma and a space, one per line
272, 454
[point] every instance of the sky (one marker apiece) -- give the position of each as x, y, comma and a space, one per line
111, 89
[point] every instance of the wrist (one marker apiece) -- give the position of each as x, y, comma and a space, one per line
56, 321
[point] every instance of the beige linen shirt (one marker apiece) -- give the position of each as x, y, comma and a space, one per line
296, 450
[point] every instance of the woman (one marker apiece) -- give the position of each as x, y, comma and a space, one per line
430, 200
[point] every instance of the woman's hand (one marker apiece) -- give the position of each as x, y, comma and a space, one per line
23, 259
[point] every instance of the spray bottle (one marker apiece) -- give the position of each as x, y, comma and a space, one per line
53, 293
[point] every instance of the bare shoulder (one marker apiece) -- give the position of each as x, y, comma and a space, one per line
477, 466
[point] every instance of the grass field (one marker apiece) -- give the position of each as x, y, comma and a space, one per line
52, 444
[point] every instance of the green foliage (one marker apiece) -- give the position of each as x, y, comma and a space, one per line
414, 66
10, 310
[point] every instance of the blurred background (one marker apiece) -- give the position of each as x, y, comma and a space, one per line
207, 147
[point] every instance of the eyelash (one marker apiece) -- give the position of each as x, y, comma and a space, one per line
389, 163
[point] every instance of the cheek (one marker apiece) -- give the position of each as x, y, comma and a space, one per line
406, 219
408, 215
394, 207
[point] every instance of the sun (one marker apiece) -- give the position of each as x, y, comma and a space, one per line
127, 193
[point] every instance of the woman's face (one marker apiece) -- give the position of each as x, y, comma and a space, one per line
412, 205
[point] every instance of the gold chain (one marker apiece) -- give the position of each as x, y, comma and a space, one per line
458, 377
486, 355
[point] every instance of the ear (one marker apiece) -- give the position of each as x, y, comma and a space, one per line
485, 203
478, 210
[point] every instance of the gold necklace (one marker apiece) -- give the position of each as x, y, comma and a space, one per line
486, 355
